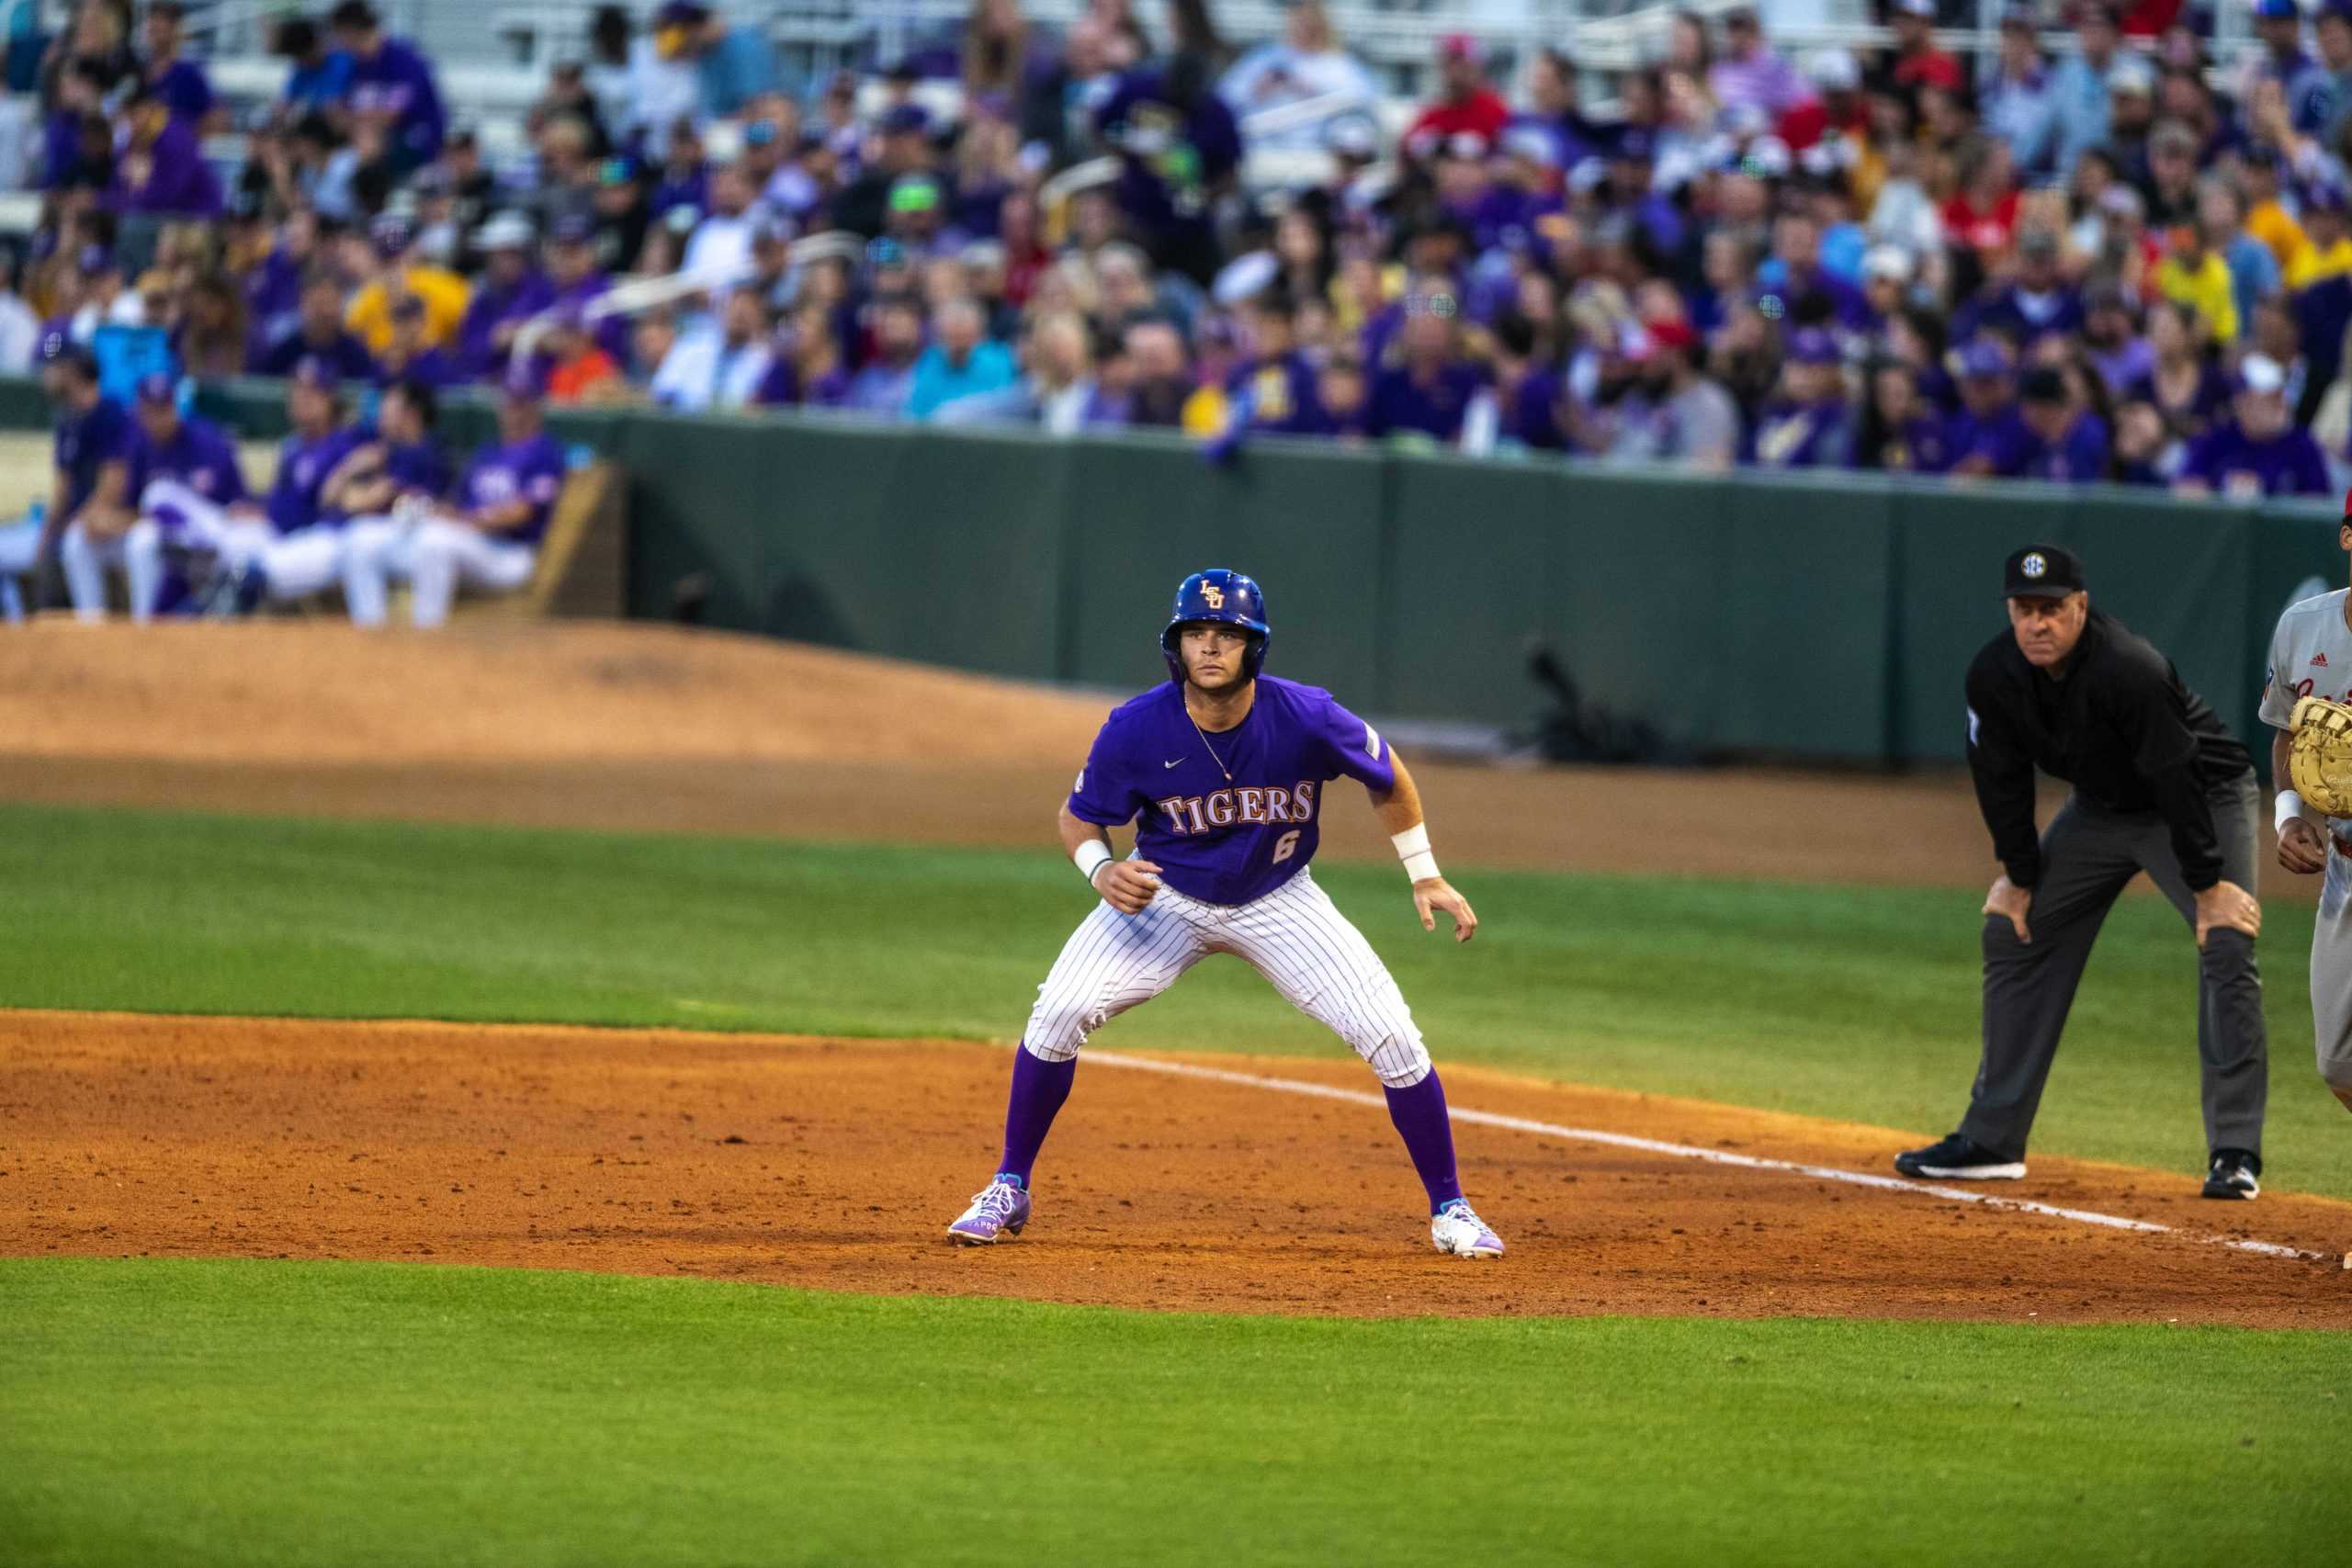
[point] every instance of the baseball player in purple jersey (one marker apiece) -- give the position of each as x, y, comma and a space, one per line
1223, 771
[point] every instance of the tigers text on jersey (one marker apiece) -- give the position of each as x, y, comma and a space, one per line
1217, 839
2311, 656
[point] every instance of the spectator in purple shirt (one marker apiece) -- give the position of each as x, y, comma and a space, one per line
1988, 432
2117, 351
512, 291
2065, 442
1795, 275
576, 279
318, 336
393, 83
1809, 425
161, 169
180, 83
2258, 451
2039, 302
411, 356
1751, 74
1274, 389
1429, 385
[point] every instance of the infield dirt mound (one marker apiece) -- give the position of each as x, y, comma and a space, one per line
837, 1163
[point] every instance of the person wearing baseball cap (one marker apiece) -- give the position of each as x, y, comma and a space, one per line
1696, 424
1917, 61
2259, 450
403, 273
487, 535
90, 486
1810, 424
2065, 442
511, 291
1988, 432
292, 547
1464, 100
2159, 785
2309, 89
184, 474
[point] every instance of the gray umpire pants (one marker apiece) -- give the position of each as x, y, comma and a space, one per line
2088, 856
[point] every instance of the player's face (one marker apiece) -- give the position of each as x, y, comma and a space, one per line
2046, 629
1212, 656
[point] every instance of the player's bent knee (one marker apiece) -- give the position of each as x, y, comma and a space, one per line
1049, 1049
1397, 1061
1057, 1029
2335, 1072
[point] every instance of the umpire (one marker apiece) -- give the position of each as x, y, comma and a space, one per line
2159, 786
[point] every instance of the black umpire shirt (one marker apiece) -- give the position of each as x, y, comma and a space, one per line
2118, 725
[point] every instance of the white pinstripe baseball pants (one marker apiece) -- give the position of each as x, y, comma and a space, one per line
1295, 936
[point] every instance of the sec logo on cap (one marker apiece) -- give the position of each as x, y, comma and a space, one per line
2033, 566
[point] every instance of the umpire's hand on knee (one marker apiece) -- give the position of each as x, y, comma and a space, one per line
2011, 902
1127, 885
2227, 907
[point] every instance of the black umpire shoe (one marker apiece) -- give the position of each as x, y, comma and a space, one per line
1957, 1159
2233, 1173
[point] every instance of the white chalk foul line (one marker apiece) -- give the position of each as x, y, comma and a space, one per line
1713, 1157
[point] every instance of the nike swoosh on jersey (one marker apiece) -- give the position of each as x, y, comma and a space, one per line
1177, 763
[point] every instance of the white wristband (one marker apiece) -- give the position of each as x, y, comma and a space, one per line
1413, 849
1092, 857
2290, 806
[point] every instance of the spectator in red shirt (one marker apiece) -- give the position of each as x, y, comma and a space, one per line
1465, 101
1917, 61
1982, 214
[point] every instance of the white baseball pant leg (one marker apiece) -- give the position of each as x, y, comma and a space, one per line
169, 512
19, 552
1313, 955
1110, 962
1295, 936
445, 553
2331, 977
86, 558
297, 565
375, 550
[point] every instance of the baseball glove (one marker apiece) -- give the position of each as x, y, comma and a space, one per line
2319, 755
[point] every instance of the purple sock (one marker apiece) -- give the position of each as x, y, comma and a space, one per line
1039, 1087
1419, 1115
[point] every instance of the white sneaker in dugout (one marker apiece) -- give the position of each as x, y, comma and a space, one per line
1457, 1231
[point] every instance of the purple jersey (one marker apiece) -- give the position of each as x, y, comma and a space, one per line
2232, 464
199, 456
87, 443
1220, 839
525, 470
303, 467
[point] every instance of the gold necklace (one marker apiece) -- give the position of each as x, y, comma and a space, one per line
1204, 740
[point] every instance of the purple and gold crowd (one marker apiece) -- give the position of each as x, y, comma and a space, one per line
2093, 255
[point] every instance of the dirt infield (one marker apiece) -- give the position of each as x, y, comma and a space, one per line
658, 729
836, 1164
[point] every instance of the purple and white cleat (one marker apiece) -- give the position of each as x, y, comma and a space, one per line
998, 1207
1457, 1231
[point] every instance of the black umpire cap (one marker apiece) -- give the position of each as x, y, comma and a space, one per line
2041, 571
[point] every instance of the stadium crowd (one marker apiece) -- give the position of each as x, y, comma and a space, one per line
2111, 261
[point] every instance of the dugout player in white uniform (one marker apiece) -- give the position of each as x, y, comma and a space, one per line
2311, 656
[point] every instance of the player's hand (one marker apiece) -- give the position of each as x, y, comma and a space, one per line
1127, 885
1434, 892
2301, 849
2011, 902
2226, 906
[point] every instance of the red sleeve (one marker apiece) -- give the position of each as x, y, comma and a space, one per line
1804, 125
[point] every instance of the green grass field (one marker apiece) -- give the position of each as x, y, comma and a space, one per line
255, 1413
